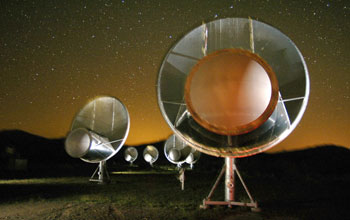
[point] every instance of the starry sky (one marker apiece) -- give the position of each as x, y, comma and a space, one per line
55, 56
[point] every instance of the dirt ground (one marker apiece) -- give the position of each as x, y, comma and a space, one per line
285, 187
76, 198
94, 211
60, 210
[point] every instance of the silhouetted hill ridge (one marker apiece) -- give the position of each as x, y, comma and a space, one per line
25, 145
320, 160
327, 159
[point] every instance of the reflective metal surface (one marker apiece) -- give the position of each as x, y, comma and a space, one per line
178, 152
83, 143
271, 45
130, 154
78, 142
150, 154
99, 130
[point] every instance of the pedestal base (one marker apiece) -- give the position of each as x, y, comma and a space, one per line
101, 175
230, 169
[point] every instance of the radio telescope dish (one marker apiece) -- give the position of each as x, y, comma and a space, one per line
130, 154
233, 87
98, 131
178, 152
150, 154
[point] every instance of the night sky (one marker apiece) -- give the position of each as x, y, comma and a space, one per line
55, 56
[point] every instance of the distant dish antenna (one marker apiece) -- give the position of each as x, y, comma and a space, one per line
150, 154
130, 154
233, 88
98, 132
178, 152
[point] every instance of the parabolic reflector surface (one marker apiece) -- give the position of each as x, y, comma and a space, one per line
277, 67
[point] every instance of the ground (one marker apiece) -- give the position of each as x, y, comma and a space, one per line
159, 196
312, 184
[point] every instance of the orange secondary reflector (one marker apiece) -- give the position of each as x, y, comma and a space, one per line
231, 91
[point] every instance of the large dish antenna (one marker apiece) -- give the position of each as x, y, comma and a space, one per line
98, 132
232, 88
275, 56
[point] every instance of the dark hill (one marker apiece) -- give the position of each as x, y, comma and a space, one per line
321, 160
20, 144
49, 154
25, 153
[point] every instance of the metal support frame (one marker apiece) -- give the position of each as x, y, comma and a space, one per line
182, 177
229, 168
103, 175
